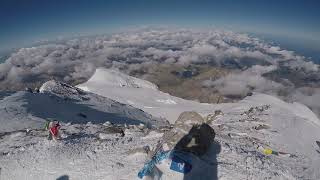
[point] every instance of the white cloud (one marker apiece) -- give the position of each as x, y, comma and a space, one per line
77, 58
239, 84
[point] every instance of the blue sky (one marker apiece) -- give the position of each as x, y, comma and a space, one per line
27, 21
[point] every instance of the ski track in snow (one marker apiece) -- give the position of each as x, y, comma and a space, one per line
92, 151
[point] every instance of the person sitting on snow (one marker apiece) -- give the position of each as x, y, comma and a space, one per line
53, 130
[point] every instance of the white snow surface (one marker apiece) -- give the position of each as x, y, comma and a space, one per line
91, 151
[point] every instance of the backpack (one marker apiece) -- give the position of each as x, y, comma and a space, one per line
46, 125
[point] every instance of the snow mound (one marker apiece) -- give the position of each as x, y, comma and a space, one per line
114, 78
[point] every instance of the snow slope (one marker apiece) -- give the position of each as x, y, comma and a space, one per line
102, 151
87, 152
92, 151
291, 127
105, 82
60, 101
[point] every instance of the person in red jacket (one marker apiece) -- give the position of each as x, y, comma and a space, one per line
54, 130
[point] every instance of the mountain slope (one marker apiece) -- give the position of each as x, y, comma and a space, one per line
95, 151
285, 127
150, 100
67, 104
162, 104
105, 151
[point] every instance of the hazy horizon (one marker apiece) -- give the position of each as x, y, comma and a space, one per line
27, 22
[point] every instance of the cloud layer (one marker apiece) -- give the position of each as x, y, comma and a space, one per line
240, 84
76, 60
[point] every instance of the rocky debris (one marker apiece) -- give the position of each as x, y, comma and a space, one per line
188, 72
120, 164
27, 89
36, 90
211, 117
182, 126
63, 90
261, 126
144, 150
255, 113
256, 110
187, 119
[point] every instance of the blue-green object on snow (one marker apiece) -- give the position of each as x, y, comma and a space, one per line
148, 167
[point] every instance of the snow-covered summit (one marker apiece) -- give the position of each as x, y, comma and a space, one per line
114, 78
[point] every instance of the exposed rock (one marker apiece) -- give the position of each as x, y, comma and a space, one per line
211, 117
189, 134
